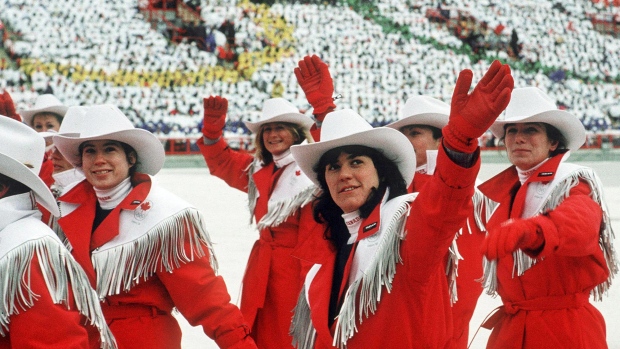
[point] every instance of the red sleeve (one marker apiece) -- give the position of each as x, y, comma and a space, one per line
203, 299
45, 324
437, 213
572, 228
47, 169
226, 163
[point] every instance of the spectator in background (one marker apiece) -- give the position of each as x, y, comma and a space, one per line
46, 300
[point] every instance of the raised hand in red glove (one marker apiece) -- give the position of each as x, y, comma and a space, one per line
511, 235
471, 114
314, 78
214, 116
7, 107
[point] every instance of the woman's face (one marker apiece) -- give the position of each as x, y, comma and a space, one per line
45, 121
422, 140
277, 138
527, 144
60, 163
105, 163
350, 181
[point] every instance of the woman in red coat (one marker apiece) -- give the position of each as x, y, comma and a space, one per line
45, 298
144, 249
549, 245
421, 122
278, 194
376, 274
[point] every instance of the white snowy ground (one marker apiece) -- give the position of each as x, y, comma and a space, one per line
227, 220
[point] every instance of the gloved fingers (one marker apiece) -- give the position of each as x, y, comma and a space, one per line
501, 80
309, 63
463, 83
298, 75
318, 64
207, 103
303, 68
492, 73
221, 103
502, 99
490, 245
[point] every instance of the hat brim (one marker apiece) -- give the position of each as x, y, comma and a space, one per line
571, 128
151, 154
390, 142
429, 119
294, 118
17, 171
27, 115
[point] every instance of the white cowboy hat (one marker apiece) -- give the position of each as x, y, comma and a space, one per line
280, 110
530, 104
423, 110
44, 103
71, 123
108, 122
21, 155
346, 127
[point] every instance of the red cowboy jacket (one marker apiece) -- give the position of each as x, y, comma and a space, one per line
272, 279
547, 306
193, 288
416, 312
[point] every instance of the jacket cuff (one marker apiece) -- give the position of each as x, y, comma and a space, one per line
213, 149
549, 233
237, 338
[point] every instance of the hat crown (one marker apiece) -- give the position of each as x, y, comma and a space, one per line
46, 101
424, 105
275, 107
342, 123
528, 101
73, 120
102, 120
22, 143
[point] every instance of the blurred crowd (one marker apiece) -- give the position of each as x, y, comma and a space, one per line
109, 53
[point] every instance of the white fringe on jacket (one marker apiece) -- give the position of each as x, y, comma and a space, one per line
60, 271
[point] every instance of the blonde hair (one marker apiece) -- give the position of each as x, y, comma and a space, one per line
299, 134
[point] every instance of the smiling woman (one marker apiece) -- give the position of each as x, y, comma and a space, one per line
278, 194
145, 250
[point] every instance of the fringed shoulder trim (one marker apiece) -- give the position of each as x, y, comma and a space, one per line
252, 191
301, 329
60, 271
279, 211
556, 196
367, 289
160, 249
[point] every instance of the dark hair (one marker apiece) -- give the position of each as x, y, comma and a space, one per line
435, 130
553, 134
325, 209
126, 148
15, 187
298, 132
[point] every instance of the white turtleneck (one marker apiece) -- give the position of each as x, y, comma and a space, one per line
353, 222
283, 159
524, 175
110, 198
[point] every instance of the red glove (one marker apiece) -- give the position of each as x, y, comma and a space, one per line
7, 108
472, 114
214, 116
511, 235
314, 78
